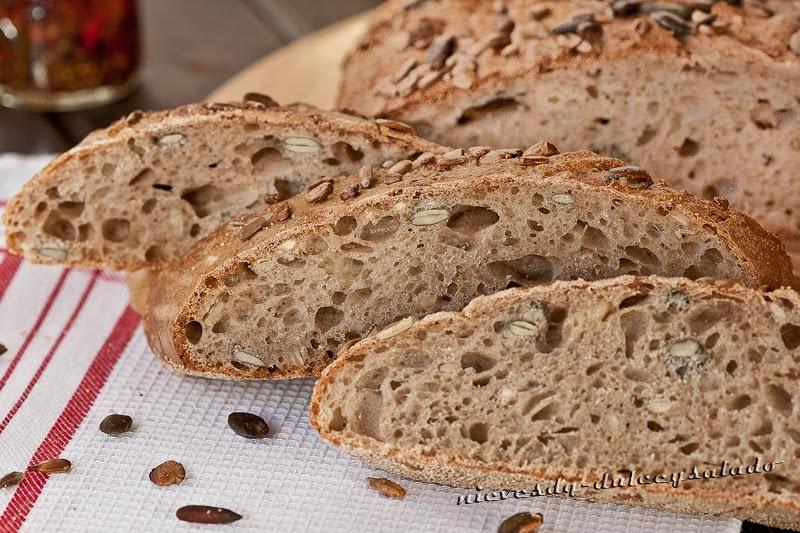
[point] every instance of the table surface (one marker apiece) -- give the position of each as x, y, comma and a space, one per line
190, 47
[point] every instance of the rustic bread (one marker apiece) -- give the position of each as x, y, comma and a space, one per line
574, 379
704, 94
140, 192
275, 296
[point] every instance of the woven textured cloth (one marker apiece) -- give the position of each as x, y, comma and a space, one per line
76, 353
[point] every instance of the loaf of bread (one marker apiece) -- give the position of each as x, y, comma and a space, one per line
705, 94
628, 377
277, 295
140, 192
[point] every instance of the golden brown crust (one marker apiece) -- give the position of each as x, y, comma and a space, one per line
469, 472
399, 34
180, 289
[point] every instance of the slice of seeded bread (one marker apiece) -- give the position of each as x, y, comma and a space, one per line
706, 94
277, 295
575, 379
140, 192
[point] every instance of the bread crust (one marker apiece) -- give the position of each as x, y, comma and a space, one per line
539, 81
468, 472
180, 290
127, 136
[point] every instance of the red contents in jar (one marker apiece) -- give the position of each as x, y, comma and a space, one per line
67, 45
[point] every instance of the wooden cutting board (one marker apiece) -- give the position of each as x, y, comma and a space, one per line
306, 70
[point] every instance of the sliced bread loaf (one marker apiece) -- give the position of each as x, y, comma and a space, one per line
276, 295
704, 94
140, 192
627, 377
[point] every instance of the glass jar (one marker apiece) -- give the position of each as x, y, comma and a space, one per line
61, 55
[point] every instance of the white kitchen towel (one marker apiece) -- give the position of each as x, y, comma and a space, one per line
76, 353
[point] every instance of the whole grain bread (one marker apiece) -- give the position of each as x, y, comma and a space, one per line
702, 93
277, 295
140, 192
629, 376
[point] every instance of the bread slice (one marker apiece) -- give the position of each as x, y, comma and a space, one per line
140, 192
576, 379
429, 236
703, 93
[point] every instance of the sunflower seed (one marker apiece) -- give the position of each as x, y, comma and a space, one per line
246, 357
116, 424
685, 349
392, 125
623, 8
679, 10
522, 328
167, 473
532, 160
319, 193
301, 145
386, 487
570, 41
248, 425
633, 177
395, 329
584, 47
388, 179
542, 148
350, 192
52, 466
580, 24
479, 151
429, 79
400, 168
171, 139
251, 228
204, 514
700, 17
563, 199
464, 74
283, 213
440, 49
423, 159
498, 41
521, 523
366, 176
672, 23
659, 407
405, 68
430, 217
11, 479
794, 43
56, 254
259, 98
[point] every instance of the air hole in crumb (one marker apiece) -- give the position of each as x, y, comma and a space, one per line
143, 175
790, 333
163, 186
636, 299
479, 432
490, 110
71, 209
526, 270
327, 317
148, 206
201, 198
194, 331
116, 229
265, 157
689, 147
690, 448
779, 398
338, 422
344, 226
478, 362
155, 254
470, 219
331, 161
739, 402
652, 425
60, 228
345, 152
194, 231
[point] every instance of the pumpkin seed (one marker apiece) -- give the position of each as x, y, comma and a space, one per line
205, 514
301, 145
319, 192
52, 466
56, 254
168, 473
563, 199
116, 424
171, 139
247, 358
439, 50
395, 329
386, 487
522, 328
521, 523
248, 425
11, 479
430, 217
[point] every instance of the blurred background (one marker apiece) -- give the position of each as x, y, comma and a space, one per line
188, 48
